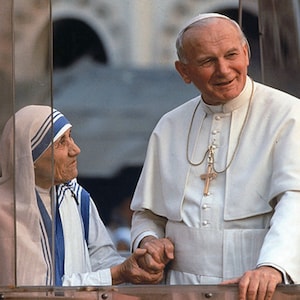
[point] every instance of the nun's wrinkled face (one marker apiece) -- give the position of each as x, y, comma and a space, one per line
58, 164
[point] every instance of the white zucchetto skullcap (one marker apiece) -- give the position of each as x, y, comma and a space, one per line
202, 17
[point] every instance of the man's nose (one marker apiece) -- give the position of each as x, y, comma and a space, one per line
222, 66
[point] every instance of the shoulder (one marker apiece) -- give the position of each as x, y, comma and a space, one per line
179, 115
275, 102
269, 93
184, 108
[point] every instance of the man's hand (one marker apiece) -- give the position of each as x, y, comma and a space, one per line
258, 284
159, 253
130, 271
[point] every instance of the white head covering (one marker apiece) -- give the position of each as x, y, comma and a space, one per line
20, 145
202, 17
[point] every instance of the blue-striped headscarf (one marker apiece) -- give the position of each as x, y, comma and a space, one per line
48, 133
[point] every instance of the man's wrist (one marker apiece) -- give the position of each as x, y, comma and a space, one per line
116, 274
146, 239
286, 279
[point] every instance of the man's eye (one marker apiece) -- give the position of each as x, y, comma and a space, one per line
206, 63
232, 55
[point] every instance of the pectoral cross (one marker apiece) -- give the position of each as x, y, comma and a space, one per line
210, 174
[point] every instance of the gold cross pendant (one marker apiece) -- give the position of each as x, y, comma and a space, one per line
208, 177
210, 174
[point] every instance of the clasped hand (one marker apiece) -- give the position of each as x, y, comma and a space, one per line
146, 264
159, 253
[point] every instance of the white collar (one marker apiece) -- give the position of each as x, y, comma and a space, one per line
233, 104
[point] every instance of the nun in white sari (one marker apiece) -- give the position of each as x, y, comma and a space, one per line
39, 176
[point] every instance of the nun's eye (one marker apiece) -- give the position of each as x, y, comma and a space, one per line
62, 142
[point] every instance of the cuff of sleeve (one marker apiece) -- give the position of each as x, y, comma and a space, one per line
105, 277
141, 236
285, 276
101, 277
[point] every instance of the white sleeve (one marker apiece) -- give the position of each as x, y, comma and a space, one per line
102, 251
101, 277
282, 243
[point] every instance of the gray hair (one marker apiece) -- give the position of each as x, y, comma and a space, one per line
200, 20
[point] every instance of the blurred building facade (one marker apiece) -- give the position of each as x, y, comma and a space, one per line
135, 33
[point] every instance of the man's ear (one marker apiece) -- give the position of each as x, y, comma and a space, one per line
182, 70
247, 52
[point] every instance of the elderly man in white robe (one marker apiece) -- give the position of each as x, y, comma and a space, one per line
59, 237
221, 178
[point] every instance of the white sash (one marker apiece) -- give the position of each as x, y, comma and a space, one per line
223, 254
76, 252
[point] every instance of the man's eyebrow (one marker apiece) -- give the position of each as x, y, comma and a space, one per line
233, 49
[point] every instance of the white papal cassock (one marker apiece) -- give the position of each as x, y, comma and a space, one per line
251, 215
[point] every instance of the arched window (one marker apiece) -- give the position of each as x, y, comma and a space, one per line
73, 39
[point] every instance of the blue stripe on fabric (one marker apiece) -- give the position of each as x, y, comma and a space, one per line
46, 218
43, 138
59, 249
85, 212
44, 127
48, 226
47, 257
